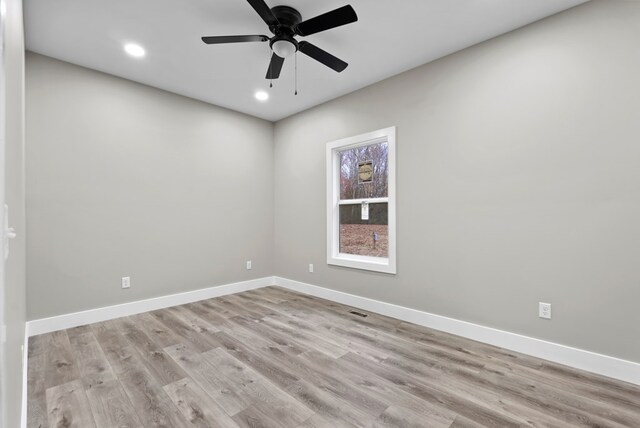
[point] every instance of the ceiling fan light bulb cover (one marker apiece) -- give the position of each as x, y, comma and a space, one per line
283, 48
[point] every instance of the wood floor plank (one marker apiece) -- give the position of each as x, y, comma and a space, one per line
61, 366
318, 326
248, 305
68, 406
394, 344
208, 378
198, 407
152, 405
161, 366
156, 330
309, 341
455, 386
115, 346
37, 344
111, 406
92, 363
539, 400
346, 338
260, 336
316, 421
263, 294
328, 406
206, 313
360, 379
243, 330
217, 307
260, 359
241, 309
254, 417
276, 358
196, 322
462, 422
436, 338
332, 382
281, 338
36, 398
466, 404
76, 331
614, 399
627, 390
200, 340
310, 319
261, 393
399, 417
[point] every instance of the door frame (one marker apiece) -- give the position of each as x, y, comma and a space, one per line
3, 328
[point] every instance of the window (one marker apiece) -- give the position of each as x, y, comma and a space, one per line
361, 209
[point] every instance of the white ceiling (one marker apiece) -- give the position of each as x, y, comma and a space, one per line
389, 38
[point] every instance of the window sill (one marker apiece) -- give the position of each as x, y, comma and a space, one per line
375, 264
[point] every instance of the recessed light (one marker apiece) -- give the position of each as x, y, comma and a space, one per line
134, 50
262, 96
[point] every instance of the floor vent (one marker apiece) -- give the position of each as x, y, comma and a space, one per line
360, 314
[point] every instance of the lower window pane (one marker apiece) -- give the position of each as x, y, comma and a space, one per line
364, 237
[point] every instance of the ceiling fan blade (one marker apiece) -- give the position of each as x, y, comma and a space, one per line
264, 11
341, 16
213, 40
322, 56
275, 66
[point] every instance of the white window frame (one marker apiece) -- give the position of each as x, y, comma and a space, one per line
334, 257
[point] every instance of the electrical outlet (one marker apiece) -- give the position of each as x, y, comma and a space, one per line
248, 264
544, 310
310, 267
126, 281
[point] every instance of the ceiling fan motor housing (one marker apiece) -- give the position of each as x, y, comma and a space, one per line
288, 18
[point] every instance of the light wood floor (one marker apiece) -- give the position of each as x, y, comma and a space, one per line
274, 358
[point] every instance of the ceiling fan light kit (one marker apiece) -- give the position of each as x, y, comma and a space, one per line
286, 23
284, 48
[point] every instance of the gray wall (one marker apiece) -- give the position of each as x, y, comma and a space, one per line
127, 180
518, 182
14, 301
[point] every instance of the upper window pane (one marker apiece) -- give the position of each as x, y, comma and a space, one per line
364, 172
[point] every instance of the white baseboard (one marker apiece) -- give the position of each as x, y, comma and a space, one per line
61, 322
605, 365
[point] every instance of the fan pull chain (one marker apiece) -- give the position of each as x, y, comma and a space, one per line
296, 73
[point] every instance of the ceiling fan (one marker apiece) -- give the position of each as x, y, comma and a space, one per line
285, 23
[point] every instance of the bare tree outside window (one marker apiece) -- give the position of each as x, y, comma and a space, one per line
350, 188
